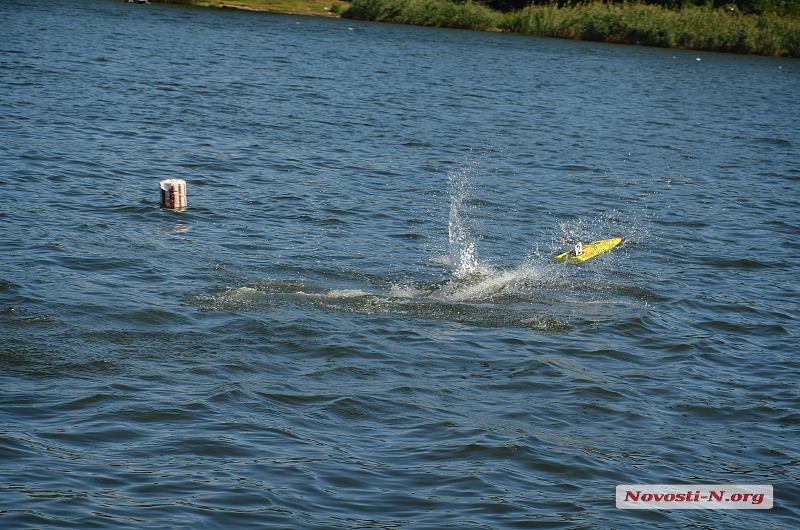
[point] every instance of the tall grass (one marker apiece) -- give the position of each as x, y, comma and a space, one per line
691, 27
629, 23
436, 13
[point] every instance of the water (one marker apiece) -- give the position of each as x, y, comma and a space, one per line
357, 323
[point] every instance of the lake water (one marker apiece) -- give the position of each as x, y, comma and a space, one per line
358, 323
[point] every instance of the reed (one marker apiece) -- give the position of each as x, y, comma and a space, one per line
436, 13
696, 28
690, 28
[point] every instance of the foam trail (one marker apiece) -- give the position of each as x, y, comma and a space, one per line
346, 293
478, 287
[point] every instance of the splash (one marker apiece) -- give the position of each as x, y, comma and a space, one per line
473, 281
463, 259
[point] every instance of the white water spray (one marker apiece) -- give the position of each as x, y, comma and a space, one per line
462, 246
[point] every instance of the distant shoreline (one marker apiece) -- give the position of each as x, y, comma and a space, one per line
325, 8
690, 28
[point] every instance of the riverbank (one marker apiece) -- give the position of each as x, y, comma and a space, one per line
333, 8
638, 24
689, 28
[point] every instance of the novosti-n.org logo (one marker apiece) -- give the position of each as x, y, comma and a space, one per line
694, 497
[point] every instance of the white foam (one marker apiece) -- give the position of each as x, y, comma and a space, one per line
243, 293
405, 291
476, 287
345, 293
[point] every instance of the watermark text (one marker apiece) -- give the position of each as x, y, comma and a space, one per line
694, 496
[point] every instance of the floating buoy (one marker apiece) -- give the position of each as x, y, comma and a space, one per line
173, 194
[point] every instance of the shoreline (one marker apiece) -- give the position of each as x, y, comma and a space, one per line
319, 8
690, 28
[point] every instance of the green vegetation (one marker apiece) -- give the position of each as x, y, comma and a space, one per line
692, 27
436, 13
650, 25
778, 7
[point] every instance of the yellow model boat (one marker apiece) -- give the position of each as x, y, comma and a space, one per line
581, 253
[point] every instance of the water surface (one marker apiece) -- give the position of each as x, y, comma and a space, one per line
358, 323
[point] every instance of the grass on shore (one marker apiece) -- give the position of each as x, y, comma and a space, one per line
691, 28
625, 23
696, 28
435, 13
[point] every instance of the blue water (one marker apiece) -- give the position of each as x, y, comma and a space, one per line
357, 323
